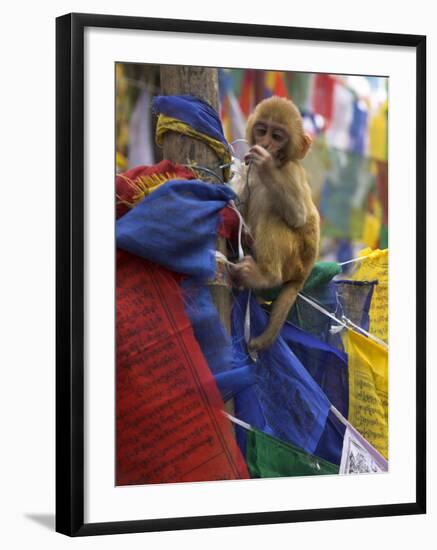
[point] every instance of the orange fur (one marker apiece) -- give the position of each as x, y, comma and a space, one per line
277, 206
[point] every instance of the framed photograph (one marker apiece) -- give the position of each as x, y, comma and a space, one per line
234, 345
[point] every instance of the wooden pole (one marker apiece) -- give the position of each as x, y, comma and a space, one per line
202, 83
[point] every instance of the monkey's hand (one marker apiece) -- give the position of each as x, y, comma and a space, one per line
247, 274
261, 158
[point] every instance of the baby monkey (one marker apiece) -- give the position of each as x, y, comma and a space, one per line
276, 203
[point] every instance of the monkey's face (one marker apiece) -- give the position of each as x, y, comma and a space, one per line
272, 136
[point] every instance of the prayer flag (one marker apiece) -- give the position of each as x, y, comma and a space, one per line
208, 329
358, 128
374, 267
269, 81
326, 364
383, 236
267, 456
354, 299
194, 117
132, 186
368, 389
338, 133
232, 382
330, 445
140, 134
316, 164
236, 124
382, 189
194, 111
371, 230
378, 134
279, 88
176, 226
320, 275
285, 401
346, 184
323, 96
170, 424
358, 456
340, 297
300, 87
246, 98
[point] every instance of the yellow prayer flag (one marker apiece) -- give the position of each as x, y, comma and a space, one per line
226, 122
378, 134
368, 389
169, 124
371, 230
375, 267
120, 161
270, 79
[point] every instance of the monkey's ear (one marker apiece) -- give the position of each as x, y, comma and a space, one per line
304, 146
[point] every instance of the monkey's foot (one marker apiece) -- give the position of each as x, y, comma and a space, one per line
260, 342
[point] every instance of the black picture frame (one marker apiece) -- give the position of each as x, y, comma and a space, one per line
70, 273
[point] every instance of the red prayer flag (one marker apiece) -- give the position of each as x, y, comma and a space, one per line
246, 98
280, 88
136, 183
170, 425
323, 97
229, 223
382, 187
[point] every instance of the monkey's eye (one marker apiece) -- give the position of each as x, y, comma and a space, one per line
277, 136
260, 130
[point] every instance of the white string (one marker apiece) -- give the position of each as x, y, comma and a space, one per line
220, 256
338, 414
368, 334
355, 260
252, 354
238, 421
322, 310
247, 320
240, 231
344, 322
236, 141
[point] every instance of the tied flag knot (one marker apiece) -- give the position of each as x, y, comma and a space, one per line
193, 117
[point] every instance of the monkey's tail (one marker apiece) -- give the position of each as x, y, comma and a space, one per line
278, 315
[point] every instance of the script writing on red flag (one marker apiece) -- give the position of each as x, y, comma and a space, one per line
169, 425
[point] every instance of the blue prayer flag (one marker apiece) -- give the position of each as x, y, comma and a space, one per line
176, 226
215, 343
341, 297
285, 401
326, 364
193, 111
330, 444
358, 129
